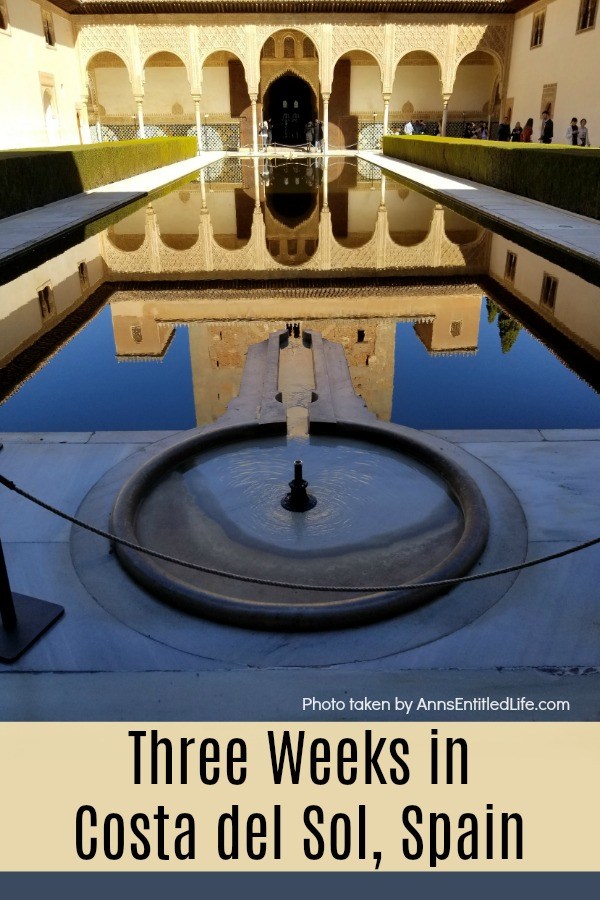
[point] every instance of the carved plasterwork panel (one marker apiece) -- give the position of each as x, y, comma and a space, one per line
164, 39
232, 38
358, 37
430, 38
93, 39
493, 38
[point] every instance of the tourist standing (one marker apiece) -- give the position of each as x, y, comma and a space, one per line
309, 136
504, 133
409, 127
263, 133
547, 129
437, 129
572, 134
319, 135
516, 133
527, 131
584, 135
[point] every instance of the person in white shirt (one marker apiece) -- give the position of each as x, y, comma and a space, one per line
409, 128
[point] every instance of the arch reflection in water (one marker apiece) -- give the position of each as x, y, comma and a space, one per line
271, 214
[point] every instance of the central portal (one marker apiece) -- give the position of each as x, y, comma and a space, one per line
289, 104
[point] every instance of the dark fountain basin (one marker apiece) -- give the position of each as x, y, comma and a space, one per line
391, 509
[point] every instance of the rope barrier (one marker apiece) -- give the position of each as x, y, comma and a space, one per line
369, 589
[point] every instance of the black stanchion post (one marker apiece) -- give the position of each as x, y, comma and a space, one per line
7, 607
24, 619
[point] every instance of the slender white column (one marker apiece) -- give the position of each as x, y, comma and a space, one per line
256, 184
446, 99
253, 99
198, 123
140, 116
386, 112
326, 122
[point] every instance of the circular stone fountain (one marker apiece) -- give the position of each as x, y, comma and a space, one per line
390, 508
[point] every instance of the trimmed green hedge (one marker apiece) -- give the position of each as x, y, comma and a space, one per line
32, 178
563, 176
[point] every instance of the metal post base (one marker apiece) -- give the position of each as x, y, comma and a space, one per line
34, 617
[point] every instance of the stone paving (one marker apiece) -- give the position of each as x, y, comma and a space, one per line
542, 634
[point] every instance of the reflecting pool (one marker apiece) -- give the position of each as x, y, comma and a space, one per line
445, 325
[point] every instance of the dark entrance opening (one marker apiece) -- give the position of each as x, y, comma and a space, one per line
289, 104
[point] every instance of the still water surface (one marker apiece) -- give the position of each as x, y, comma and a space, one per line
436, 356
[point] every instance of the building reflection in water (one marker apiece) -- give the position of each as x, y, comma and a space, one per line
362, 319
254, 245
309, 215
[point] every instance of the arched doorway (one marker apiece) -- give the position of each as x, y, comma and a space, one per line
168, 104
475, 93
111, 106
289, 103
226, 108
50, 118
416, 92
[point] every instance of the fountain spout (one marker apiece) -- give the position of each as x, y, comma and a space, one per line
298, 499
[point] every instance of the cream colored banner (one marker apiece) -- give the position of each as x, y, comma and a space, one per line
364, 797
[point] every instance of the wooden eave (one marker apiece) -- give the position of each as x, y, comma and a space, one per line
150, 7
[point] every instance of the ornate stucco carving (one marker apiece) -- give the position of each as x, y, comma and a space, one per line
93, 39
164, 39
369, 38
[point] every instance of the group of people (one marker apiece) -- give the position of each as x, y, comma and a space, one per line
418, 127
519, 133
313, 133
479, 131
577, 133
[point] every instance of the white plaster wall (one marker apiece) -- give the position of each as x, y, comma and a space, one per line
414, 213
215, 90
568, 59
114, 91
20, 316
362, 210
577, 301
365, 89
165, 87
23, 56
132, 224
176, 217
419, 85
221, 207
453, 223
472, 88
